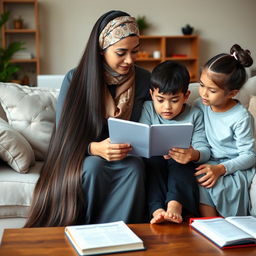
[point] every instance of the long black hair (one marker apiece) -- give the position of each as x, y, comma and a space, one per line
58, 197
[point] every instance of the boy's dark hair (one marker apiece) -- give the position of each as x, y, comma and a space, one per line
170, 77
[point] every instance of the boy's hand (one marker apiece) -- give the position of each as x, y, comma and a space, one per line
183, 156
108, 151
210, 173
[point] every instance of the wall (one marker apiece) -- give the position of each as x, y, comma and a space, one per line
65, 25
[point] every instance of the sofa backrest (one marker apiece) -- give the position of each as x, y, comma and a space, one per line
31, 111
50, 81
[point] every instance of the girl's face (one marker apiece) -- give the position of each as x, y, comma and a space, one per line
212, 95
168, 106
121, 55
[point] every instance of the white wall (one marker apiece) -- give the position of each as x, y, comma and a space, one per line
65, 25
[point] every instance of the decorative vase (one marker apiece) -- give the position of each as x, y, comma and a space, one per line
18, 23
187, 30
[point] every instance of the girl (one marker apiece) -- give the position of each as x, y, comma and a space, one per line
226, 178
86, 179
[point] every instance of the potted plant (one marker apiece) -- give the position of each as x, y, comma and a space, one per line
143, 24
8, 69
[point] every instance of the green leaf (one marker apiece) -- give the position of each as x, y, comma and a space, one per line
8, 69
4, 18
6, 74
11, 49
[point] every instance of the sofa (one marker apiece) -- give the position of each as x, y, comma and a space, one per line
27, 116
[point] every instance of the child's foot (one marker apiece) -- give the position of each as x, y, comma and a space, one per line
173, 213
158, 216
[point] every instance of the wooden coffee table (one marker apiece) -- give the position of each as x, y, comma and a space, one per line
160, 240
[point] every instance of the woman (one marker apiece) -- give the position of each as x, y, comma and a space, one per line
86, 179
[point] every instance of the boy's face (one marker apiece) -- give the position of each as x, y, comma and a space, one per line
166, 105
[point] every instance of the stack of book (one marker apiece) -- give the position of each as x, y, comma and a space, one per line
22, 55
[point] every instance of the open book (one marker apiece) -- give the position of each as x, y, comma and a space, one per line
150, 140
228, 232
103, 238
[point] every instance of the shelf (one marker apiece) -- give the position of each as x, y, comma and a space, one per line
148, 59
167, 58
27, 34
181, 58
20, 31
181, 37
34, 60
19, 1
183, 49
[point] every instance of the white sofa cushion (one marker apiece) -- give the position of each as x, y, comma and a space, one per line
14, 148
16, 190
247, 91
31, 111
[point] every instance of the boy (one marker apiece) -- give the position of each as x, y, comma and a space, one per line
172, 186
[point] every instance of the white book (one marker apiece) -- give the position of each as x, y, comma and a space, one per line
22, 55
231, 231
150, 140
103, 238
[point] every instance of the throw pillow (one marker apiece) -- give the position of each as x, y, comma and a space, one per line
14, 149
30, 111
247, 91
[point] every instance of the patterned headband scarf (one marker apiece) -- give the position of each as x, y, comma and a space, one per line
121, 105
118, 29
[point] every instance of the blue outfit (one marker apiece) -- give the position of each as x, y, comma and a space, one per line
168, 180
230, 135
113, 190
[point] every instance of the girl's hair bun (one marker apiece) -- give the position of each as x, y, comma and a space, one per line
241, 55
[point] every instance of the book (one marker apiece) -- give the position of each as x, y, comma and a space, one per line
103, 238
22, 55
150, 140
238, 231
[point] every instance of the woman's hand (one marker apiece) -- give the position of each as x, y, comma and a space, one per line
210, 173
108, 151
182, 155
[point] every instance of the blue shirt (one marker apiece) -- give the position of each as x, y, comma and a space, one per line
189, 115
230, 135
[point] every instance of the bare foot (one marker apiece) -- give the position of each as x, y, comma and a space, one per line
173, 213
158, 216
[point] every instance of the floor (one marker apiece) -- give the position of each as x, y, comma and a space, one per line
10, 223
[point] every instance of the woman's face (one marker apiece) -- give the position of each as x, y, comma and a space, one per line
121, 55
